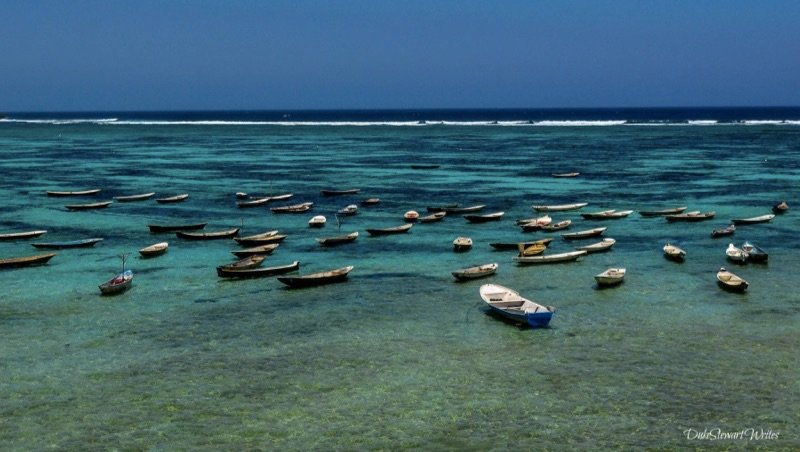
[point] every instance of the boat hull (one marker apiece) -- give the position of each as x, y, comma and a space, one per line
534, 320
257, 272
176, 228
28, 261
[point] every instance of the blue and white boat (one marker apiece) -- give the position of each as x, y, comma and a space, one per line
509, 304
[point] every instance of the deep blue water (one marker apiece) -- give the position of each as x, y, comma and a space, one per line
400, 356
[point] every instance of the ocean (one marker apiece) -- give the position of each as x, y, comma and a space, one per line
400, 356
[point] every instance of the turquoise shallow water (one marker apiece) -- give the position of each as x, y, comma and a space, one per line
400, 356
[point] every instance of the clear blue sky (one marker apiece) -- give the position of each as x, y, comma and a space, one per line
171, 55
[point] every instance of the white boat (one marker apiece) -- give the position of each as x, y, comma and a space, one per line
462, 243
533, 224
550, 258
411, 215
478, 271
610, 277
557, 226
349, 210
596, 215
730, 281
317, 221
673, 252
559, 207
436, 216
736, 254
156, 249
509, 304
754, 220
584, 234
603, 245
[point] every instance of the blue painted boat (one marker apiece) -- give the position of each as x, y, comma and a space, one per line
509, 304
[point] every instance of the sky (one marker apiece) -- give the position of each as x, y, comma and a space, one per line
113, 55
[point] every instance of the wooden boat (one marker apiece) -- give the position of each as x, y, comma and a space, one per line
754, 253
550, 258
479, 271
722, 232
610, 277
370, 201
317, 221
173, 199
280, 197
565, 174
598, 215
117, 284
730, 281
603, 245
224, 272
176, 227
249, 262
253, 202
317, 279
509, 304
395, 230
422, 167
263, 249
351, 191
736, 254
22, 235
780, 208
496, 216
74, 193
662, 212
154, 250
691, 216
617, 214
83, 243
442, 208
583, 234
515, 245
464, 209
462, 244
260, 239
559, 207
224, 234
534, 224
242, 195
411, 216
754, 220
132, 198
531, 250
674, 253
348, 211
294, 208
557, 226
94, 205
338, 240
436, 216
27, 261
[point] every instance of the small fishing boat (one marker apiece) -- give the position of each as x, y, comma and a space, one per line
27, 261
280, 197
175, 227
780, 208
394, 230
479, 271
755, 253
411, 216
565, 174
260, 239
370, 201
531, 250
674, 253
351, 191
424, 167
442, 208
662, 212
559, 207
617, 214
253, 202
436, 216
729, 281
736, 254
550, 258
610, 277
74, 193
294, 208
338, 240
117, 284
349, 210
224, 272
690, 216
317, 221
83, 243
583, 234
317, 279
464, 209
534, 224
509, 304
22, 235
173, 199
754, 220
154, 250
94, 205
598, 215
496, 216
557, 226
603, 245
722, 232
133, 198
215, 235
242, 195
462, 244
263, 249
515, 245
249, 262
